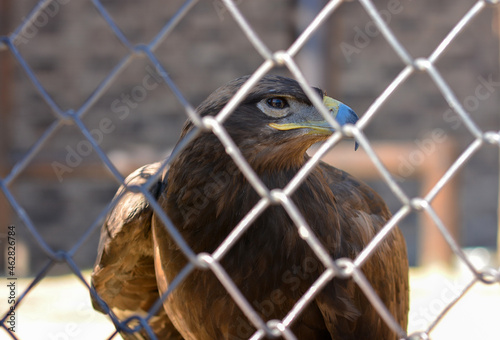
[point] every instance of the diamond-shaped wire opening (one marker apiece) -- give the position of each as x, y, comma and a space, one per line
70, 92
140, 111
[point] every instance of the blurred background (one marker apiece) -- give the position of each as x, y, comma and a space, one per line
65, 186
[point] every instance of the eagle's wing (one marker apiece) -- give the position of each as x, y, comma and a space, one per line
363, 213
124, 274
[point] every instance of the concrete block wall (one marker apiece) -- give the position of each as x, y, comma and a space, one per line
71, 49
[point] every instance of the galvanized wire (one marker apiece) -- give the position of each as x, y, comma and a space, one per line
346, 268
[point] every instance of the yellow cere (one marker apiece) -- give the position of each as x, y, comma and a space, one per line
332, 104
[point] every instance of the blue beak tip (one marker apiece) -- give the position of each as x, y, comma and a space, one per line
346, 115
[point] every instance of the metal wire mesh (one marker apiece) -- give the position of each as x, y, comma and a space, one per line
343, 267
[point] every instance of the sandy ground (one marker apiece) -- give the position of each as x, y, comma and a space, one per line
59, 308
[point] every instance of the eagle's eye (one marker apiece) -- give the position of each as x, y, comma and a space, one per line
277, 103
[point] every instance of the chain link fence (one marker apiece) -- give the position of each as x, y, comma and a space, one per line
344, 267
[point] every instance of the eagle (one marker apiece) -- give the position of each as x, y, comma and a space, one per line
205, 195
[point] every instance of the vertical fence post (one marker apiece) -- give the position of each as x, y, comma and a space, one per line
433, 248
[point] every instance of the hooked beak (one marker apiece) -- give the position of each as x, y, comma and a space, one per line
314, 121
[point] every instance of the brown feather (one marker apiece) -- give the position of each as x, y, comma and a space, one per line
124, 274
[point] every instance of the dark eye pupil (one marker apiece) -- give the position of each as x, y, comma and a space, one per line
277, 103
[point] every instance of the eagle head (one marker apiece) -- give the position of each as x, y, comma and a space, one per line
276, 122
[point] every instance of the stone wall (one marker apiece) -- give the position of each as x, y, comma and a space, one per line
71, 49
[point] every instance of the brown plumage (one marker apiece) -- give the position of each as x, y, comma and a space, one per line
205, 195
